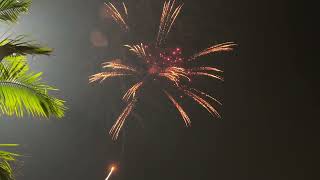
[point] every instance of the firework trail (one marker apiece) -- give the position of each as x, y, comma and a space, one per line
167, 19
120, 121
111, 171
227, 46
162, 64
180, 109
117, 16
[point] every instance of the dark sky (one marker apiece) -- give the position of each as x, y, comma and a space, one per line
269, 96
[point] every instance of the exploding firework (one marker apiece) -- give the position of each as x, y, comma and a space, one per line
162, 64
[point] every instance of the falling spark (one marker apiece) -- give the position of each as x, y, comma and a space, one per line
125, 8
104, 75
227, 46
203, 103
175, 74
168, 18
115, 65
206, 95
184, 115
121, 119
206, 74
206, 69
164, 65
111, 171
116, 16
139, 50
131, 93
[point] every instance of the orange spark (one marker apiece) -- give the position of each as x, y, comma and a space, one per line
203, 103
121, 119
175, 74
125, 8
116, 65
116, 16
184, 115
131, 93
139, 50
111, 171
206, 69
104, 75
168, 18
206, 74
227, 46
207, 95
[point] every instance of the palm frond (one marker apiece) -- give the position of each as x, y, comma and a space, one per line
9, 145
6, 171
22, 91
21, 46
11, 9
8, 156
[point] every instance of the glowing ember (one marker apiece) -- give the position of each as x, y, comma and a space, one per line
111, 171
153, 69
162, 57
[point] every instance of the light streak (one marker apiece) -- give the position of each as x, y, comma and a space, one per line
115, 65
139, 50
205, 104
114, 132
131, 93
184, 115
116, 15
111, 171
104, 75
168, 18
227, 46
206, 74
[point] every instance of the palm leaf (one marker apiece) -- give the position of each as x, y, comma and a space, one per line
9, 145
21, 46
6, 171
22, 91
11, 9
8, 156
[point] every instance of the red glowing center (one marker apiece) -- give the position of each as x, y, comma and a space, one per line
153, 69
159, 58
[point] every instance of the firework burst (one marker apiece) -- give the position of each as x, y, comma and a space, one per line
163, 64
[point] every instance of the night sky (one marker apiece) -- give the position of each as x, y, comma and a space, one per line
270, 96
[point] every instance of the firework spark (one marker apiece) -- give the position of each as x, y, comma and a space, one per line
175, 74
184, 115
121, 119
167, 20
116, 65
162, 64
203, 103
110, 173
206, 95
227, 46
114, 13
139, 50
104, 75
131, 93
